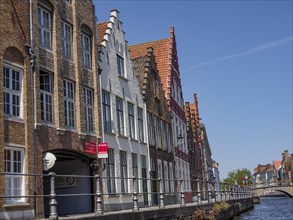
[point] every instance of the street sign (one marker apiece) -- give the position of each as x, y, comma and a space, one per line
103, 150
90, 147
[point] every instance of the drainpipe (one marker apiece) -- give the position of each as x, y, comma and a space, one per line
33, 65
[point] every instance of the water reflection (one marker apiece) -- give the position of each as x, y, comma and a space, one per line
270, 208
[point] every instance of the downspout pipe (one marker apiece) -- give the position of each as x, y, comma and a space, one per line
33, 65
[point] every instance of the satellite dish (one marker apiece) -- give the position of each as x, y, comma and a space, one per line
48, 161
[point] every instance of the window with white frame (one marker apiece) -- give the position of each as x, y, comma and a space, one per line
166, 176
13, 89
111, 171
163, 135
131, 125
171, 175
135, 169
168, 137
120, 66
160, 169
123, 171
46, 90
106, 111
140, 124
67, 40
14, 164
150, 128
86, 50
69, 103
120, 116
157, 133
89, 108
45, 28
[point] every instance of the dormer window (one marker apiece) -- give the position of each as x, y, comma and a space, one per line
120, 66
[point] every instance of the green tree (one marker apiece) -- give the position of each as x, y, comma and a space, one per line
238, 176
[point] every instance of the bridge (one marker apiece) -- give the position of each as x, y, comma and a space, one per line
265, 189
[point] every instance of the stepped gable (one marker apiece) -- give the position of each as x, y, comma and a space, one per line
161, 52
142, 66
102, 27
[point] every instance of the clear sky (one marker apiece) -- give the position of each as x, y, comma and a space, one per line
237, 57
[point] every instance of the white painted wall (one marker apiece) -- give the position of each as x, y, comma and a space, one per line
129, 90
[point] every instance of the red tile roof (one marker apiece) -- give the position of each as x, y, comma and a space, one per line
161, 52
276, 164
101, 31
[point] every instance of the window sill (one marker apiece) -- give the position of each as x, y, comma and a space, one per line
109, 133
16, 205
134, 140
67, 60
142, 142
122, 136
48, 124
87, 68
14, 119
123, 78
46, 49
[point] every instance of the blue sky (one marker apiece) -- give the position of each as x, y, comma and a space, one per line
237, 57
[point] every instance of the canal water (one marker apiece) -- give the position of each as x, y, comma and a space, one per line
270, 208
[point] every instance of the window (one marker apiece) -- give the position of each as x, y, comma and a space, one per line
160, 170
123, 171
168, 137
157, 137
45, 28
166, 176
120, 117
67, 40
89, 108
69, 1
69, 100
46, 87
150, 128
144, 179
111, 171
140, 124
13, 100
106, 111
86, 51
135, 169
156, 88
171, 175
120, 65
163, 135
131, 120
14, 164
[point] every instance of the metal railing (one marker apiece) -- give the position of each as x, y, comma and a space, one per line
203, 191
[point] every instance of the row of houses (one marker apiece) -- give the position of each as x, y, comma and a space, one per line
69, 83
279, 172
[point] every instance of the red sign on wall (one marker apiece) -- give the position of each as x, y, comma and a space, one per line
103, 150
90, 147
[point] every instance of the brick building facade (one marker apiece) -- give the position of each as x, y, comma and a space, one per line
158, 126
53, 107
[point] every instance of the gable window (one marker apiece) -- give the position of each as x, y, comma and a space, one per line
140, 124
86, 51
131, 120
13, 100
111, 171
46, 90
45, 28
123, 171
67, 40
106, 111
156, 88
89, 108
69, 101
150, 128
157, 134
120, 66
14, 164
120, 116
